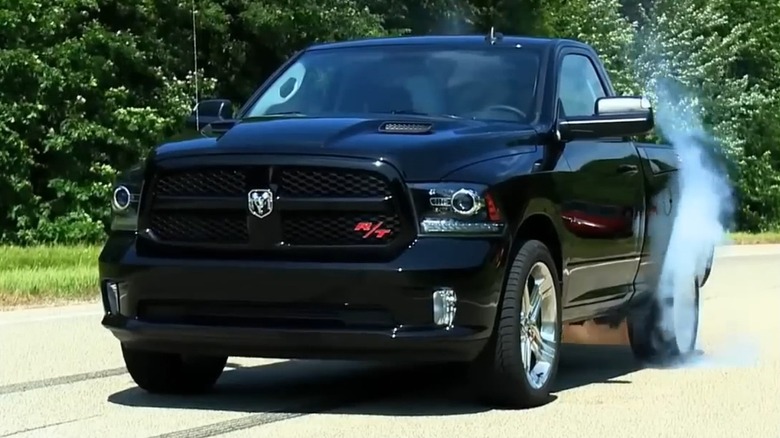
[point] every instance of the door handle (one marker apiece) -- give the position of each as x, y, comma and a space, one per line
627, 168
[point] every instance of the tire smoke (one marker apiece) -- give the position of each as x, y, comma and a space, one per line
702, 198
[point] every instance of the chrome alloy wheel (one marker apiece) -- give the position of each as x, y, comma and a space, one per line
538, 325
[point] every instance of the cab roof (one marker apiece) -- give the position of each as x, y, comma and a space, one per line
448, 40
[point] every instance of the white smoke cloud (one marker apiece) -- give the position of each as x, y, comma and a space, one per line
703, 196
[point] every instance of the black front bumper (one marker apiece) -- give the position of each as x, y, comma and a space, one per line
285, 309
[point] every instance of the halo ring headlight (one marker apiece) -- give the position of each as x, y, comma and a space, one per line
465, 202
121, 198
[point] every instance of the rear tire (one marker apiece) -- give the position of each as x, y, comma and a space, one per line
518, 366
172, 373
651, 342
708, 269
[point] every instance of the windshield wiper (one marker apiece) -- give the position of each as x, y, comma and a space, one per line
409, 112
286, 113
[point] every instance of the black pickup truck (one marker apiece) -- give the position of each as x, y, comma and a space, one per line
439, 198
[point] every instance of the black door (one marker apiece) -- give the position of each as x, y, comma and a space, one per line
602, 195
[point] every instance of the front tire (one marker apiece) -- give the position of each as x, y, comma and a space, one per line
172, 373
519, 364
667, 329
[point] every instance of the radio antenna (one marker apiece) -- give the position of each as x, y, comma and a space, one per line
195, 62
494, 36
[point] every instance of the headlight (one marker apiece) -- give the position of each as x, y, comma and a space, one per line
456, 209
125, 199
122, 199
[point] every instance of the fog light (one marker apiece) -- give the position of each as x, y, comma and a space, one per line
112, 297
444, 301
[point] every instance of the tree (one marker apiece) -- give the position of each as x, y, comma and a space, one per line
601, 24
90, 86
77, 100
685, 56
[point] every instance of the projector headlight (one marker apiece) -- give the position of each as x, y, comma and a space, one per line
456, 209
122, 199
125, 199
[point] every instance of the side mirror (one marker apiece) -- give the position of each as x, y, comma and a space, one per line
621, 116
209, 111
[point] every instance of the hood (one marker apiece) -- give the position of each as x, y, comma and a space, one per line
440, 147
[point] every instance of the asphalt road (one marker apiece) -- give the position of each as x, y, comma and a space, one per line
61, 375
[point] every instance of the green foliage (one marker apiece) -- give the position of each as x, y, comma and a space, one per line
88, 87
688, 56
601, 24
79, 100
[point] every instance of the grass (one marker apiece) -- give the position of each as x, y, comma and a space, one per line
59, 274
47, 274
755, 238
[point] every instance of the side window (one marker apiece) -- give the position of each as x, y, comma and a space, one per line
579, 86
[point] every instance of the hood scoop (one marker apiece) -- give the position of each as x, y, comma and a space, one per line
405, 128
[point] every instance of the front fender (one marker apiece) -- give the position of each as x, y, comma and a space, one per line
521, 190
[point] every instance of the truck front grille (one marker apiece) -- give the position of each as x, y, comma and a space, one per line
203, 182
302, 182
211, 228
338, 229
292, 182
312, 207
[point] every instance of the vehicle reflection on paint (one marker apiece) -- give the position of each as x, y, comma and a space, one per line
590, 220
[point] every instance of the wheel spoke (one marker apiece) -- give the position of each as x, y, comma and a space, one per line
538, 324
526, 305
535, 306
540, 292
525, 351
543, 349
547, 333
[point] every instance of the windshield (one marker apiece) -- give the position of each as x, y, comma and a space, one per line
485, 83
